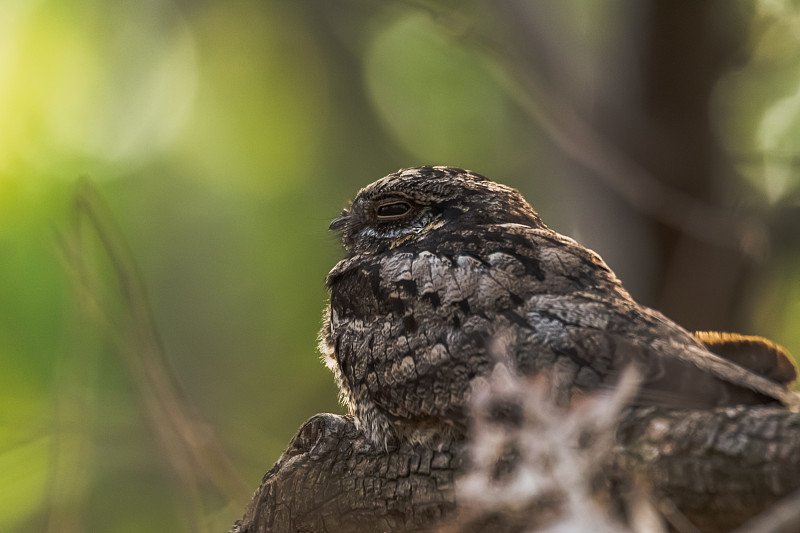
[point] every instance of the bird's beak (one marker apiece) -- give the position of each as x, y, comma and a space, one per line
340, 222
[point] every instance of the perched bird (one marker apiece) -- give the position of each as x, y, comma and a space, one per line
447, 273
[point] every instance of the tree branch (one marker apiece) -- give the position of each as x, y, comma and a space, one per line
718, 467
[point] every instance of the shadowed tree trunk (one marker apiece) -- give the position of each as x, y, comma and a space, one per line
680, 50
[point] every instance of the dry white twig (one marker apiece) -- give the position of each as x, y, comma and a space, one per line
551, 453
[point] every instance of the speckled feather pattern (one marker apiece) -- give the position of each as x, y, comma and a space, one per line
427, 301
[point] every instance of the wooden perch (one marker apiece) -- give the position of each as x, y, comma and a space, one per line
718, 468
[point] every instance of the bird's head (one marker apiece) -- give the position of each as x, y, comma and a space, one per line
413, 202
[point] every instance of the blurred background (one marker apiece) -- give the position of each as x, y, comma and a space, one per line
224, 136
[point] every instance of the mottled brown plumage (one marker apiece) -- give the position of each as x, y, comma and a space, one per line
448, 273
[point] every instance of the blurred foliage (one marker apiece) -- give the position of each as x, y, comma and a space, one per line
224, 136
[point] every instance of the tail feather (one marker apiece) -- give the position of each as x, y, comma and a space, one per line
758, 354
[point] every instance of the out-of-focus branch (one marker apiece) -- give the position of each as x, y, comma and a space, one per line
533, 40
563, 122
188, 442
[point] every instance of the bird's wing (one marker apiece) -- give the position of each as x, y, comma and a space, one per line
600, 336
410, 331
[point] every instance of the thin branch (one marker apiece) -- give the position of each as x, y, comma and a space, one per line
189, 442
579, 140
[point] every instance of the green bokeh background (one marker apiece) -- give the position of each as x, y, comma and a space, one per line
224, 136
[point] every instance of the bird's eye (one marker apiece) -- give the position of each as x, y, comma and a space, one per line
391, 210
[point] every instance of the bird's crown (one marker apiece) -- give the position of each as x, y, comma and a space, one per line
412, 202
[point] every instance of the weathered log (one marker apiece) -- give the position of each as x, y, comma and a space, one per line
718, 467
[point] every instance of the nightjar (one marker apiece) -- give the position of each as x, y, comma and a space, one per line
448, 273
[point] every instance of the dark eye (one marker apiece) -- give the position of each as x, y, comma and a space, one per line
391, 210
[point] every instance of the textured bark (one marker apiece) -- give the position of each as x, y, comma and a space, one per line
718, 467
333, 479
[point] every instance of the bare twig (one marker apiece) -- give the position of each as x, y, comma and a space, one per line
188, 442
579, 140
